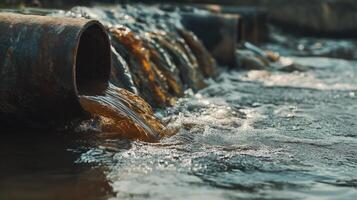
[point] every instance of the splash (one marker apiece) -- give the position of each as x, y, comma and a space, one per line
242, 139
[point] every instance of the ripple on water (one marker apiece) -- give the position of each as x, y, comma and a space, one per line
251, 137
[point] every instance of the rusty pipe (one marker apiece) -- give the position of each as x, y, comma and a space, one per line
46, 63
218, 32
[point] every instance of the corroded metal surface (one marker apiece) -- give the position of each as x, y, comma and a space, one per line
45, 62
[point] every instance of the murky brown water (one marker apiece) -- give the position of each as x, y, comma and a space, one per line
124, 115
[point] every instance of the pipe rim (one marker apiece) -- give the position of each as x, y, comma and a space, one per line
106, 50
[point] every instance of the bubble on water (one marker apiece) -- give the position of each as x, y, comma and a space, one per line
242, 138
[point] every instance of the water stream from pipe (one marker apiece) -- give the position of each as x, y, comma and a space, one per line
124, 114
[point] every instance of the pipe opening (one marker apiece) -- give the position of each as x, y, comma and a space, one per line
93, 62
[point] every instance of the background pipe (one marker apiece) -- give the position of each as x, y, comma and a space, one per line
46, 63
254, 24
218, 33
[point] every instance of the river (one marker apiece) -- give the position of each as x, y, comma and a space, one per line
250, 134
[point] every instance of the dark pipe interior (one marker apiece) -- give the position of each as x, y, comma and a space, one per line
93, 62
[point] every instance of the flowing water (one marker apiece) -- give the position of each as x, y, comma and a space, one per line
123, 115
250, 134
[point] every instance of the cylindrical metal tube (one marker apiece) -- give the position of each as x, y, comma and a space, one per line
253, 27
218, 33
47, 62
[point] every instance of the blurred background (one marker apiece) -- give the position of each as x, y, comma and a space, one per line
335, 18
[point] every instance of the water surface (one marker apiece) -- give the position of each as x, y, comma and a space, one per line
254, 134
250, 135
